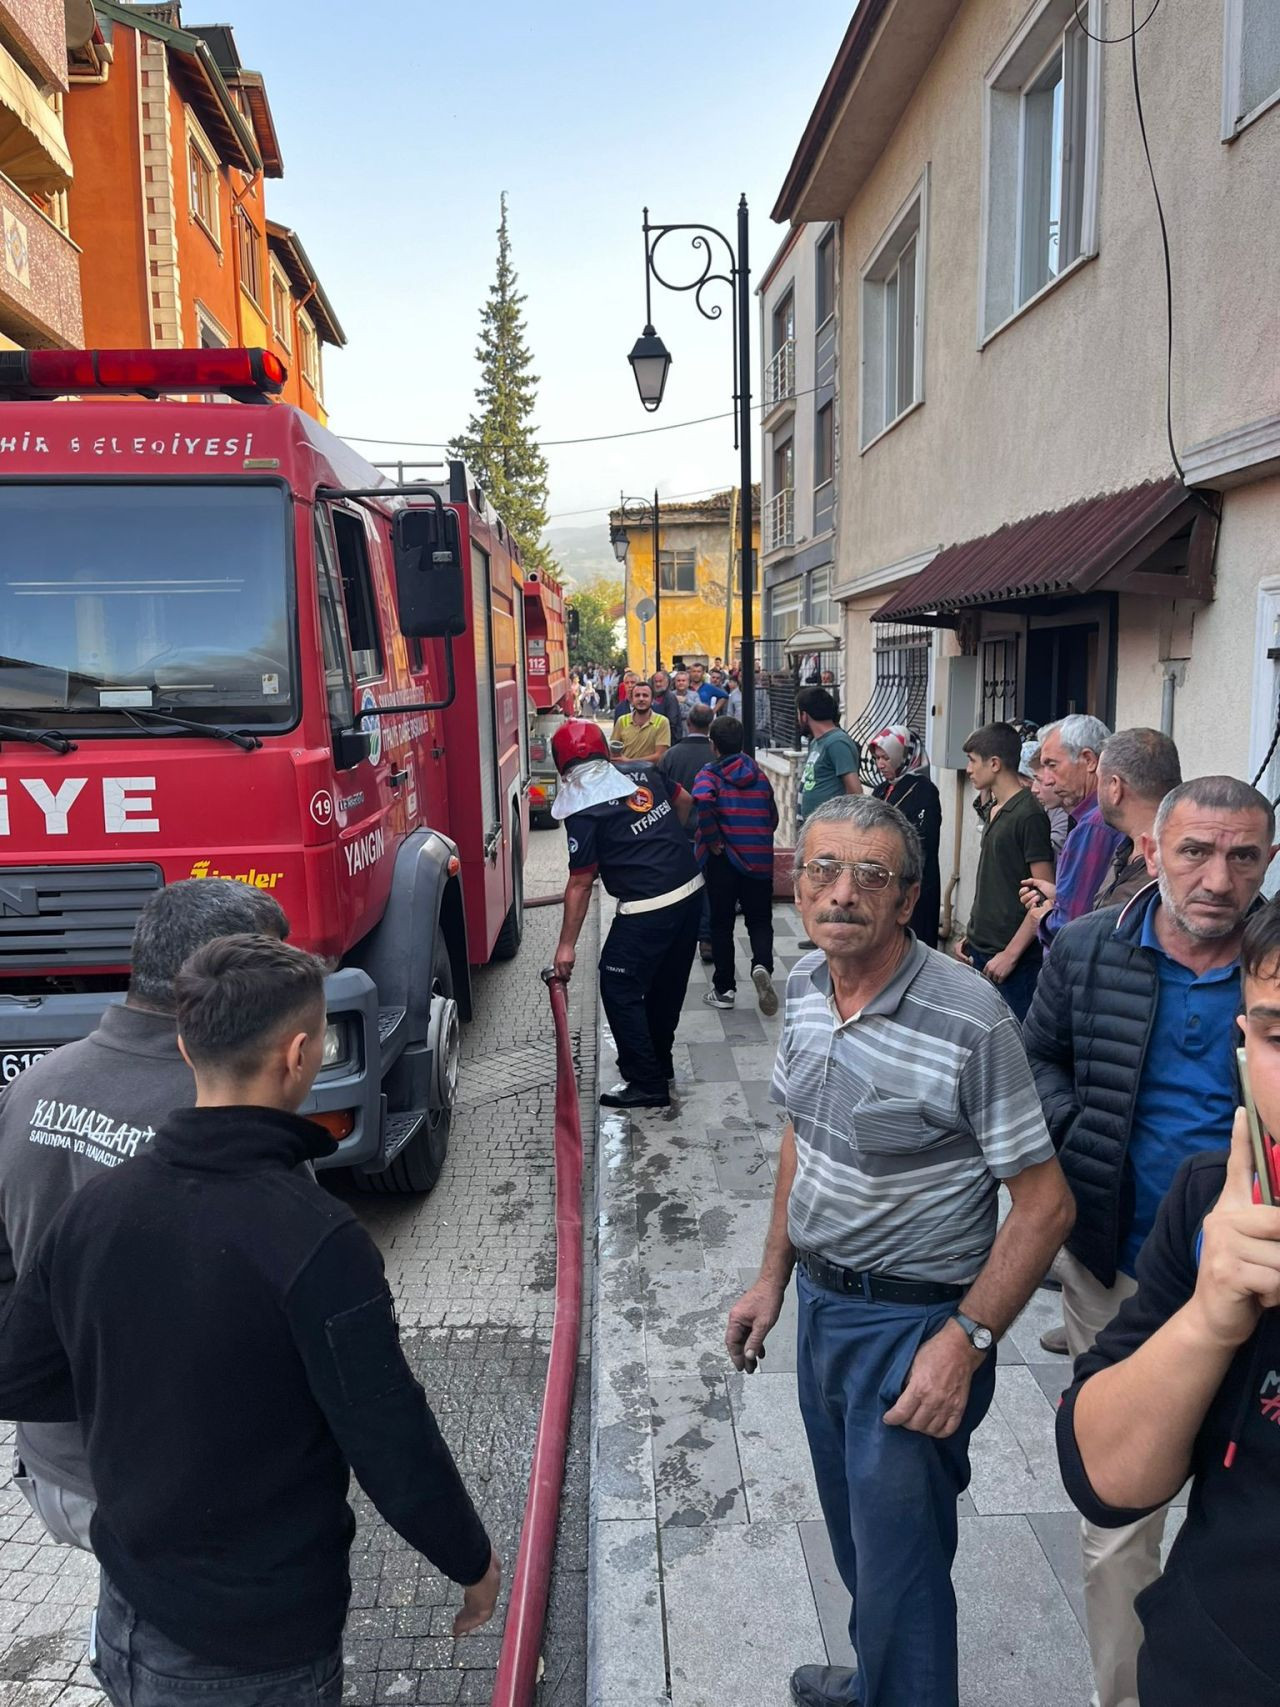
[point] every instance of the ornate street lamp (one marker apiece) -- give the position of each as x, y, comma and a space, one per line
650, 361
641, 510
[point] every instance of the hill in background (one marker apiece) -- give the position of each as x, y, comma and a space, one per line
583, 553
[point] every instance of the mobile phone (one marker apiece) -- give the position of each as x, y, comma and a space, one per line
1261, 1146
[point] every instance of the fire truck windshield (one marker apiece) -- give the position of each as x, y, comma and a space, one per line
117, 597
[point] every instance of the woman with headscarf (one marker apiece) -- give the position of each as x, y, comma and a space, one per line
899, 756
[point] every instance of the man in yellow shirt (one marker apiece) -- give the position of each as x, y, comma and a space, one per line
641, 732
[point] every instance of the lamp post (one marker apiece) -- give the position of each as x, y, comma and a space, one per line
641, 510
651, 361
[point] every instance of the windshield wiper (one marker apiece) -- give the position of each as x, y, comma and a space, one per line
240, 737
37, 737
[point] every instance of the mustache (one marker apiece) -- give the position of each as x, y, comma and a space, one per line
840, 916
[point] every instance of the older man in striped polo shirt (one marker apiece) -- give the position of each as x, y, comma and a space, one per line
909, 1101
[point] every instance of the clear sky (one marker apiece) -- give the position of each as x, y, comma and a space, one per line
401, 123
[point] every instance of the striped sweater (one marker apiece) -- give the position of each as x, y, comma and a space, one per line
736, 810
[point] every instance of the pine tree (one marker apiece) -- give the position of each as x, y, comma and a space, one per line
499, 445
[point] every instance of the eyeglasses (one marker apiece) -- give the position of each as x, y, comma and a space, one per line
822, 873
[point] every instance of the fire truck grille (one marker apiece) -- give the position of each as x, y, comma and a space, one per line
72, 915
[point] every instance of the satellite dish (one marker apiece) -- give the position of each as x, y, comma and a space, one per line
646, 610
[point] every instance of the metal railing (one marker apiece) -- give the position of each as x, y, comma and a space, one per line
780, 375
780, 520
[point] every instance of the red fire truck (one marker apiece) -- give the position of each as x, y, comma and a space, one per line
547, 661
230, 647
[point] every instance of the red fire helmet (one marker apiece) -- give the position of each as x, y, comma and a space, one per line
577, 739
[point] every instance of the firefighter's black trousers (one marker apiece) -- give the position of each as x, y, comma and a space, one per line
644, 973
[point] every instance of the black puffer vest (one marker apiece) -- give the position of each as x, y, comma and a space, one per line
1086, 1036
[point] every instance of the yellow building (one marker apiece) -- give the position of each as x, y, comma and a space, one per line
699, 615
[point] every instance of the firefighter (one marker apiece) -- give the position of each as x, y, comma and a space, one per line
626, 823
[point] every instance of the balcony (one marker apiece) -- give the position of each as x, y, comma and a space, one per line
39, 276
780, 521
780, 380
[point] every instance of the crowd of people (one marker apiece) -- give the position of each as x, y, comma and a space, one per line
1077, 1048
200, 1348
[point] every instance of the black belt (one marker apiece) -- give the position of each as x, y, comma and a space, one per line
879, 1288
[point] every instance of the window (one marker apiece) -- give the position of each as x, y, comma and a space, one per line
784, 322
1053, 121
893, 320
1043, 118
679, 571
1250, 62
357, 595
825, 299
339, 689
309, 351
820, 610
783, 466
249, 245
824, 445
202, 168
212, 336
784, 609
281, 305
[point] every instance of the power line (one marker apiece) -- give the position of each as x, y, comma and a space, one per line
557, 444
665, 498
543, 444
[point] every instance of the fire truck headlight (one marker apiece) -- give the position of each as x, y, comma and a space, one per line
337, 1045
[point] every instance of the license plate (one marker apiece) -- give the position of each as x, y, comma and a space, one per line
14, 1061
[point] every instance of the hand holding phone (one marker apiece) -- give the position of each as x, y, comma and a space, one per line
1266, 1165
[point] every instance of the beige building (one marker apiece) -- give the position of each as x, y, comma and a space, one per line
1012, 521
40, 268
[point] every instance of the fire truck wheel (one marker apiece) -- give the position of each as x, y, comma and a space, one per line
509, 937
418, 1166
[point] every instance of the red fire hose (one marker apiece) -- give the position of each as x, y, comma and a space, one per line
531, 1583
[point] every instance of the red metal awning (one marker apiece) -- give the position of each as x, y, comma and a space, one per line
1155, 539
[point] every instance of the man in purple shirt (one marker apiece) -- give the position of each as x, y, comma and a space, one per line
1069, 761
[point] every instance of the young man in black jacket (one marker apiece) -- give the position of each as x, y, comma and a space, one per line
1186, 1381
223, 1329
84, 1109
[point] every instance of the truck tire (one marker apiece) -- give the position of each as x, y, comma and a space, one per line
418, 1166
509, 937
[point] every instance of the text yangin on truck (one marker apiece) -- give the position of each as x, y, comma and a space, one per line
231, 647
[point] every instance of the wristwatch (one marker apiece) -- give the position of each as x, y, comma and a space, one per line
979, 1337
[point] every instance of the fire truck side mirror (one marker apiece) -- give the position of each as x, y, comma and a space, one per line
571, 622
429, 583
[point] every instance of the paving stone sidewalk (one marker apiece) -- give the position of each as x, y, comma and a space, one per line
711, 1574
472, 1268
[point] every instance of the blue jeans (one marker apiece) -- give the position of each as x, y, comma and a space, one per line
1019, 987
138, 1667
888, 1494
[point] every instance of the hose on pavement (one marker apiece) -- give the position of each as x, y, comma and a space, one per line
531, 1583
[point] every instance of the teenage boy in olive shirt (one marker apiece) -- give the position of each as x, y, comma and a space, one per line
1015, 845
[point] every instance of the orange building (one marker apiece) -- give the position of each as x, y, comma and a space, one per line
39, 263
174, 141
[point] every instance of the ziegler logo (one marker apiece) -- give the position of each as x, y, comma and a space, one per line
641, 800
365, 851
254, 878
